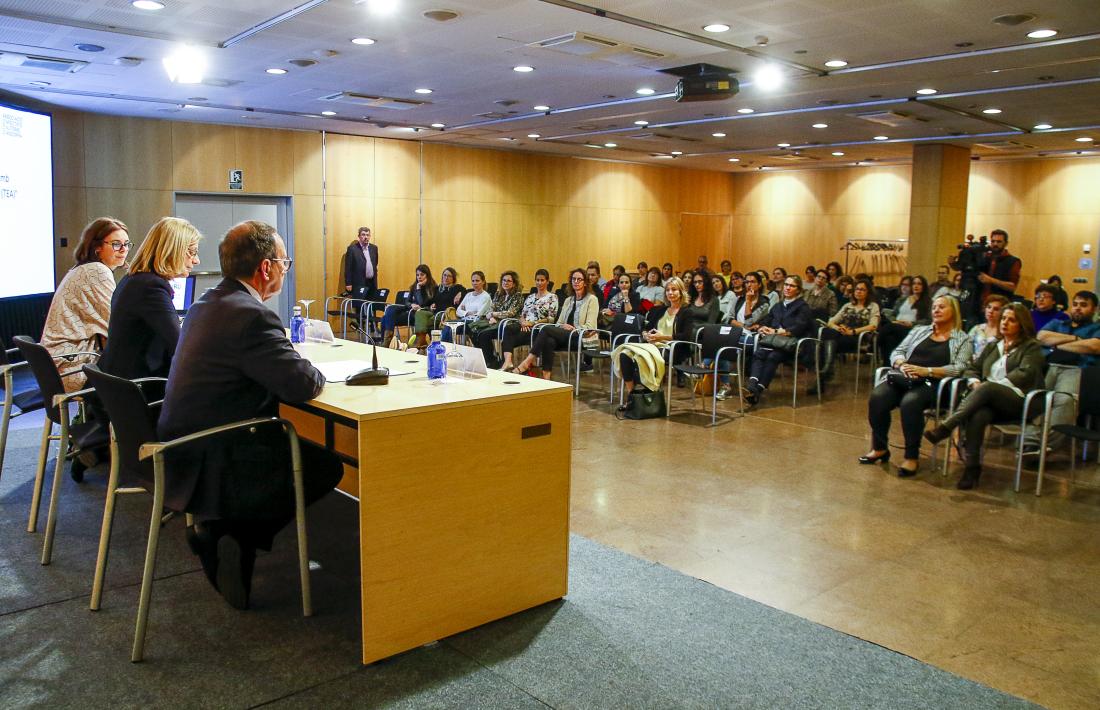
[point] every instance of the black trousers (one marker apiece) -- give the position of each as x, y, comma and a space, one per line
764, 364
885, 399
321, 471
844, 343
549, 340
989, 403
512, 337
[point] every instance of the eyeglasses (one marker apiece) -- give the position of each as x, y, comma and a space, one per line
792, 284
577, 278
285, 263
193, 252
120, 246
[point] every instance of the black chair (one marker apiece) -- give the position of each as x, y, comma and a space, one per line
24, 396
491, 287
715, 342
1088, 406
624, 328
74, 438
144, 460
370, 311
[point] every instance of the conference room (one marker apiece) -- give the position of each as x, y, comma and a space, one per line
607, 354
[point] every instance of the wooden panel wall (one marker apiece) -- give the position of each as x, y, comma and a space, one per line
1049, 209
796, 218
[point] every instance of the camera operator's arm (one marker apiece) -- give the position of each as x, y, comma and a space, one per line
1009, 284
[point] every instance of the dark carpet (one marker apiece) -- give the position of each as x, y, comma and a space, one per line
631, 634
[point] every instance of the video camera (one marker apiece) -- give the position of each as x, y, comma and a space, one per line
971, 255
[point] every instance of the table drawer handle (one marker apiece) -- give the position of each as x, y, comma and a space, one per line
536, 430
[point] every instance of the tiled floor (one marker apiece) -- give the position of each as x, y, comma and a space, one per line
999, 587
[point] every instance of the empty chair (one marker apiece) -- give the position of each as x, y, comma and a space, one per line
719, 345
21, 395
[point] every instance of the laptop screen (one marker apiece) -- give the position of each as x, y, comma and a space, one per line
183, 293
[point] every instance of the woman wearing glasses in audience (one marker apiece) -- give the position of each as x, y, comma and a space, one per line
580, 311
421, 295
145, 327
702, 306
448, 294
672, 325
999, 380
841, 334
652, 290
791, 318
507, 304
753, 307
928, 354
81, 308
737, 285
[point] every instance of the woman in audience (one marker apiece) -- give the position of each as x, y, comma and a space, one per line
621, 300
905, 290
835, 271
421, 294
666, 273
474, 306
820, 298
726, 298
983, 334
1000, 378
737, 285
670, 326
507, 304
954, 290
448, 294
1061, 298
845, 287
652, 290
145, 328
928, 354
808, 276
702, 306
686, 276
789, 319
766, 289
1046, 310
779, 275
841, 334
643, 271
911, 310
81, 308
752, 307
579, 312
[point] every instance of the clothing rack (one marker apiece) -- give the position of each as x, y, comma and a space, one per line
887, 260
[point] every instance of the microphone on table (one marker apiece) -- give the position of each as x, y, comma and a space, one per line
373, 375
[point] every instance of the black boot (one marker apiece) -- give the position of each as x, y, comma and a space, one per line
970, 477
827, 360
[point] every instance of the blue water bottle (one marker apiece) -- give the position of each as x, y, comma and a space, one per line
297, 326
437, 358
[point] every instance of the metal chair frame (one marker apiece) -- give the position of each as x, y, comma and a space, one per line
717, 370
7, 371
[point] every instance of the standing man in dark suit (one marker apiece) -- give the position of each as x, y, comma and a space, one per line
234, 362
361, 266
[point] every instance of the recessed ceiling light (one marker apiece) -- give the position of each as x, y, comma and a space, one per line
745, 110
645, 91
768, 77
676, 152
422, 91
533, 135
523, 69
735, 160
991, 111
610, 145
821, 125
718, 135
716, 27
784, 145
185, 66
276, 71
382, 7
1041, 34
1084, 139
882, 138
641, 123
1042, 126
438, 125
328, 113
362, 41
926, 92
838, 153
541, 107
84, 47
836, 63
148, 5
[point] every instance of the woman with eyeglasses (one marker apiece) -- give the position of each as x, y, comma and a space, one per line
753, 306
81, 308
144, 327
790, 318
580, 311
508, 303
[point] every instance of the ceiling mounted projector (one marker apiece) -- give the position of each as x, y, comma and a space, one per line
704, 82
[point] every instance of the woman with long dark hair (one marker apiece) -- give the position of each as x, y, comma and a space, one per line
914, 309
580, 311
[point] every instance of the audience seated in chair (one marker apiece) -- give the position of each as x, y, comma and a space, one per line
789, 319
507, 305
841, 334
580, 312
421, 295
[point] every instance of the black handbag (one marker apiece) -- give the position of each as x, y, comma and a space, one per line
899, 380
783, 343
643, 404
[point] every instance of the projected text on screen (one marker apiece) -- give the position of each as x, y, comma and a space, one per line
26, 203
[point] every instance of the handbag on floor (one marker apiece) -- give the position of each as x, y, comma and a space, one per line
643, 404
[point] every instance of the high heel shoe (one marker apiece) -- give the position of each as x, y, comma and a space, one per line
908, 472
868, 460
935, 436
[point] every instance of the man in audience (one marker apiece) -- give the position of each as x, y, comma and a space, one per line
999, 271
667, 273
702, 265
943, 278
643, 269
234, 362
1070, 345
610, 285
1045, 309
595, 283
727, 271
361, 266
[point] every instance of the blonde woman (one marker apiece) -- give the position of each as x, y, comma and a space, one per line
81, 306
144, 326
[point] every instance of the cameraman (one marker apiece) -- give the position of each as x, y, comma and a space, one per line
996, 271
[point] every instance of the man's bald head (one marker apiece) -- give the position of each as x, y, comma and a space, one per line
244, 247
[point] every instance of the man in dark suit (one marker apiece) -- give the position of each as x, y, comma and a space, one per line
234, 362
361, 266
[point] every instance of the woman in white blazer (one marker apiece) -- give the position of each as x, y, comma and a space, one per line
580, 312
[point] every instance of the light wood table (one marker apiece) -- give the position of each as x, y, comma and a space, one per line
463, 490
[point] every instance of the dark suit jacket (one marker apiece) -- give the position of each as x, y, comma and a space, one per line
233, 362
1025, 367
796, 318
355, 268
144, 328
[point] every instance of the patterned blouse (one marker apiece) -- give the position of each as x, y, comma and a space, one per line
78, 317
505, 306
855, 316
541, 310
980, 338
615, 303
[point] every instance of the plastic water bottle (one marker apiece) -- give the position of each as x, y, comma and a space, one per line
437, 358
297, 326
